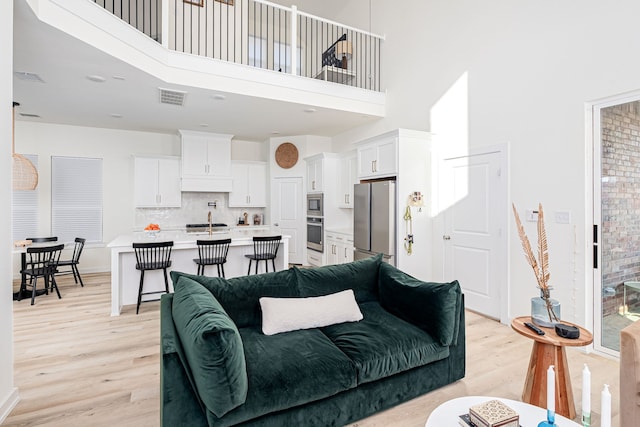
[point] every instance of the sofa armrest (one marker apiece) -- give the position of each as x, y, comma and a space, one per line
630, 374
433, 307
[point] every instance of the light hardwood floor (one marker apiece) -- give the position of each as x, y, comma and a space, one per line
77, 366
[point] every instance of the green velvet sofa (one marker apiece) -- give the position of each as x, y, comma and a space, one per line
219, 369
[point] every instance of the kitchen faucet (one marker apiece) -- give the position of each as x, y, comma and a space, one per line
209, 219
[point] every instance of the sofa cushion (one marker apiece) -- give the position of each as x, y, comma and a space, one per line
290, 314
361, 276
212, 347
433, 307
290, 369
382, 344
239, 296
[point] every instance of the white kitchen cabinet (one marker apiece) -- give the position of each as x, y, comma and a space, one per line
347, 177
157, 182
378, 158
315, 175
206, 162
339, 247
249, 184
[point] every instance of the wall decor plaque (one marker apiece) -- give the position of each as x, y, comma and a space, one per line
286, 155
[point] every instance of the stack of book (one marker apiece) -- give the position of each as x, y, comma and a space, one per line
493, 413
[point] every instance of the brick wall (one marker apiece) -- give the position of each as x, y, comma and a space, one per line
620, 243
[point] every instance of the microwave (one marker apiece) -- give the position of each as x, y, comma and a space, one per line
314, 204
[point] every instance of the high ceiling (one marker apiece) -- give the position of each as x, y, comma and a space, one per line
128, 98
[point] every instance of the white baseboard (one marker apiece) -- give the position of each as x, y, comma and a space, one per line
7, 406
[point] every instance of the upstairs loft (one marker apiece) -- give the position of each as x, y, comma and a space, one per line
263, 56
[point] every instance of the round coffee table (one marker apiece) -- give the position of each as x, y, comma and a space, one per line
447, 414
549, 349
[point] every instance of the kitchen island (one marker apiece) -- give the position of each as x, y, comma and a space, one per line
125, 279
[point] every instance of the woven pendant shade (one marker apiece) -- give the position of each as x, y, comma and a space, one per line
25, 174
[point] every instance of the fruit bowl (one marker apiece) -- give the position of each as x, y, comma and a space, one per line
152, 230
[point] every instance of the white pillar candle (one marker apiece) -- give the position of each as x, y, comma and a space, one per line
586, 390
551, 389
606, 407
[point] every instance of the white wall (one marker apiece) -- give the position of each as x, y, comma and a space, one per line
8, 393
516, 73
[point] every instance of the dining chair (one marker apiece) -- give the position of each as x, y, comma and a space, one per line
212, 252
74, 261
265, 248
152, 256
43, 239
42, 263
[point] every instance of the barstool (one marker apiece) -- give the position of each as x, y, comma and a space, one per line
265, 248
152, 256
212, 252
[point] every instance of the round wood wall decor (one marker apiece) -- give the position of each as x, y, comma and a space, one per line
286, 155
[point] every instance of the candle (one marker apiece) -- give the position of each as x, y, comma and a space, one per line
586, 396
551, 389
606, 407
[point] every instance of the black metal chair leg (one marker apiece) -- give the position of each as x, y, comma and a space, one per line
249, 270
257, 264
33, 291
140, 290
54, 285
166, 280
79, 276
222, 268
273, 262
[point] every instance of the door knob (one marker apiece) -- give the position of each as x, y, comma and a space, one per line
446, 237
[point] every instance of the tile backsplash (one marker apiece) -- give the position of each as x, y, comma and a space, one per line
194, 210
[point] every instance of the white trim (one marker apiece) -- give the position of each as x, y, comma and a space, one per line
7, 406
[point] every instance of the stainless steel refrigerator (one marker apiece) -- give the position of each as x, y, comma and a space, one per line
374, 220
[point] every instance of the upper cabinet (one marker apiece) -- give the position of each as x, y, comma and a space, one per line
206, 161
347, 177
249, 184
315, 174
157, 182
377, 158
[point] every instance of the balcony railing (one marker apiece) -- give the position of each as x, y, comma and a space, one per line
261, 34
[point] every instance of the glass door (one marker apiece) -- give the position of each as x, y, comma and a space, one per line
617, 219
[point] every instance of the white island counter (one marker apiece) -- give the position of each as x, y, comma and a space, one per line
125, 279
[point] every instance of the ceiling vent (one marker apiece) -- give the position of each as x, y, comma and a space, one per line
30, 77
172, 97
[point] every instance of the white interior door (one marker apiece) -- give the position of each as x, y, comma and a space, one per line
474, 244
287, 210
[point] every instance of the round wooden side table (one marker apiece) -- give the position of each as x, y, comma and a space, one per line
549, 349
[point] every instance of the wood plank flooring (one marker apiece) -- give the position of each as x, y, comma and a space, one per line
77, 366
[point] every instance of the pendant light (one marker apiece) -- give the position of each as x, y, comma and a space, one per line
25, 174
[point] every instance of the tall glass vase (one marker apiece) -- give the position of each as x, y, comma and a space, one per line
540, 312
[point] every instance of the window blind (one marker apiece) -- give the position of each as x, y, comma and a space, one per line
24, 209
76, 198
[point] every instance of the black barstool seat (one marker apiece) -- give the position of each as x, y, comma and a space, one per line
212, 252
265, 248
152, 256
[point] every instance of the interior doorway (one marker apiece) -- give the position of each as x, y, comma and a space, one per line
474, 238
616, 219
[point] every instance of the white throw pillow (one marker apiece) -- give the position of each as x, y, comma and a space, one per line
290, 314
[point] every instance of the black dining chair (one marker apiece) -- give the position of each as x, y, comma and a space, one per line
42, 262
212, 252
73, 262
152, 256
265, 248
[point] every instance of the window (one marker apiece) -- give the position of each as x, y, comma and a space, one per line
76, 198
25, 209
257, 52
282, 58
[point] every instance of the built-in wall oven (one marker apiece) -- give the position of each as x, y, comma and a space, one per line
315, 233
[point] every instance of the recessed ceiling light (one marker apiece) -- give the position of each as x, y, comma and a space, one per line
96, 78
275, 132
116, 115
310, 110
31, 77
118, 78
219, 97
204, 125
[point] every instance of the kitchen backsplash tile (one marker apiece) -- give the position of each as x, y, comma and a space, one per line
194, 210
